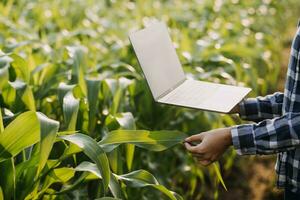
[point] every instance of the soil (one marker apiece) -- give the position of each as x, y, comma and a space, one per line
252, 178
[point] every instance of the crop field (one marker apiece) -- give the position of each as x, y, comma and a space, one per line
77, 119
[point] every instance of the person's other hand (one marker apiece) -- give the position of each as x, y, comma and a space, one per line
211, 145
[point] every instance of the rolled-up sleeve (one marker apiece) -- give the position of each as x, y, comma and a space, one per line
260, 108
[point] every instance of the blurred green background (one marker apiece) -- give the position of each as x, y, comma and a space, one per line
236, 42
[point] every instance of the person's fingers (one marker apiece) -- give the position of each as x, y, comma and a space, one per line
197, 137
199, 157
202, 157
190, 148
205, 162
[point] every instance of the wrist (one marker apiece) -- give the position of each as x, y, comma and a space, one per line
228, 137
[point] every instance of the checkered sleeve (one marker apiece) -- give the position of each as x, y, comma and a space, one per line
260, 108
268, 136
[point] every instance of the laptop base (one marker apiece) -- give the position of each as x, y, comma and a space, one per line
205, 96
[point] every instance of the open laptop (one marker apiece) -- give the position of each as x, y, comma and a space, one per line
166, 79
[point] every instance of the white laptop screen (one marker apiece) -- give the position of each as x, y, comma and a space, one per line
157, 57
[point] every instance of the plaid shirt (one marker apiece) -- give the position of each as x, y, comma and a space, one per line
278, 125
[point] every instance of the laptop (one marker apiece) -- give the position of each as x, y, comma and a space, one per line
168, 84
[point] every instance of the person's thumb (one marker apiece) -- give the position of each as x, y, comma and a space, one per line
194, 138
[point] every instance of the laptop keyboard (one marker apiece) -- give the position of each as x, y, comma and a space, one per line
191, 93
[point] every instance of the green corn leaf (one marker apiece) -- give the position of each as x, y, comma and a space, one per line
26, 173
66, 132
36, 72
23, 166
70, 109
142, 178
93, 86
26, 130
47, 72
150, 140
172, 195
24, 92
9, 94
139, 178
121, 121
107, 198
48, 131
4, 65
28, 98
30, 170
1, 194
8, 179
1, 122
81, 82
77, 54
115, 160
116, 101
8, 7
94, 152
76, 184
19, 134
114, 185
63, 174
126, 121
58, 175
72, 149
21, 67
218, 173
129, 149
110, 86
62, 90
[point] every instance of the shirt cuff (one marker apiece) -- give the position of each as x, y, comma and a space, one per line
249, 109
242, 112
243, 139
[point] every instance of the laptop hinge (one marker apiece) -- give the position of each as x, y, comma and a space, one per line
170, 90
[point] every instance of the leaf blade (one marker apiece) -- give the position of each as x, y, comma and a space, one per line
150, 140
48, 131
92, 168
19, 134
70, 109
94, 152
218, 173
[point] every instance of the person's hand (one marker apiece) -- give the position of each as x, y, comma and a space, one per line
211, 145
